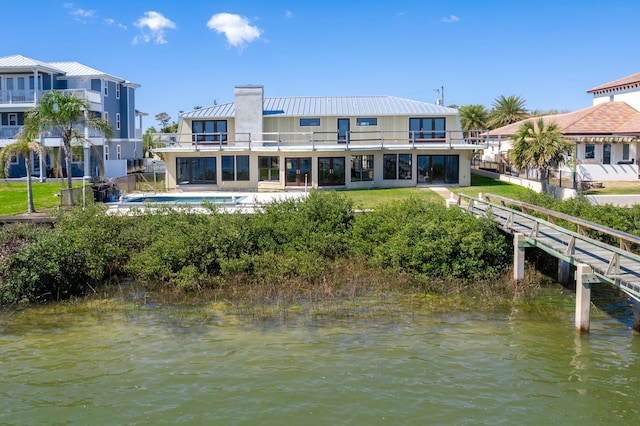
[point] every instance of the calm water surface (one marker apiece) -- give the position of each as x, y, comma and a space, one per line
176, 366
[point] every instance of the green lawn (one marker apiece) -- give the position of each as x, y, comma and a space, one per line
371, 198
13, 196
487, 185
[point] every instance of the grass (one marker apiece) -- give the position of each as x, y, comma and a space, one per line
615, 188
13, 196
372, 198
491, 186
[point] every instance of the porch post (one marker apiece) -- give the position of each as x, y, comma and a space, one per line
518, 256
583, 298
87, 159
636, 315
564, 269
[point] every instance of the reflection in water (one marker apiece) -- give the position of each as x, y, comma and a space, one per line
180, 366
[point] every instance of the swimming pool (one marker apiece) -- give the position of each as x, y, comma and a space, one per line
180, 199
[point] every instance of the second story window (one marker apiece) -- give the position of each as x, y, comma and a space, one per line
106, 115
209, 131
118, 91
309, 122
367, 121
13, 119
427, 128
106, 87
117, 121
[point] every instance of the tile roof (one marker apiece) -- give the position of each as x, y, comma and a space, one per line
633, 80
348, 106
610, 118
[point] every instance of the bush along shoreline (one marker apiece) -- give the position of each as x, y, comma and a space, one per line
312, 248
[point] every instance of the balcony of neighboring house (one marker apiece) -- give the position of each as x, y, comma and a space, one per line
320, 141
27, 98
9, 132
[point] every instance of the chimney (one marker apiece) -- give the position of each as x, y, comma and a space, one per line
249, 105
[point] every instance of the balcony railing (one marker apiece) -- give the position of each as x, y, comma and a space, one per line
9, 132
439, 139
29, 96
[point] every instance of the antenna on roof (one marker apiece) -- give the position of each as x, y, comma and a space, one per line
440, 100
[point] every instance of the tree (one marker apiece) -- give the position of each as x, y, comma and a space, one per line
64, 115
473, 117
507, 110
24, 146
163, 118
539, 146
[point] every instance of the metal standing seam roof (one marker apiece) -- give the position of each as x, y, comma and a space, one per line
22, 62
348, 106
76, 69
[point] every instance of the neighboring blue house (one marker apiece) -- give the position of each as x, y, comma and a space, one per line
23, 82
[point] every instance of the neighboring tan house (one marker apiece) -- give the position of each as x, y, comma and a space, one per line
23, 82
606, 135
258, 143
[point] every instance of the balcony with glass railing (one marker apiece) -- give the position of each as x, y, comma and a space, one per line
29, 97
339, 140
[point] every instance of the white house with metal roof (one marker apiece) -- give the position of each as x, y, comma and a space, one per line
354, 142
23, 82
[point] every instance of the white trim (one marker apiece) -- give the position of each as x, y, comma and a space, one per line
118, 88
105, 89
106, 153
118, 152
117, 121
15, 119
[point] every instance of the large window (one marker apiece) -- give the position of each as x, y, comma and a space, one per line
625, 152
397, 166
209, 131
361, 168
196, 170
269, 168
589, 151
427, 128
235, 167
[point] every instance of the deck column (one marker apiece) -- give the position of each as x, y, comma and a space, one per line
518, 256
583, 298
636, 315
564, 272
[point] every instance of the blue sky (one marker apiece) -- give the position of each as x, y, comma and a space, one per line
188, 53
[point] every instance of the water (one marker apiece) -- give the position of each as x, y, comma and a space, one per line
180, 199
165, 365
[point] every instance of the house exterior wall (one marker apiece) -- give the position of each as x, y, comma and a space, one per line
630, 96
93, 88
464, 173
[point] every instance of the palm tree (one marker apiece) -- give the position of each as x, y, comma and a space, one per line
539, 146
24, 146
473, 117
65, 116
507, 110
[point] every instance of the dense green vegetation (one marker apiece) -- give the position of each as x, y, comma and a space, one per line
310, 246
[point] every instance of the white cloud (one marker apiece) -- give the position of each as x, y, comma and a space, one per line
153, 26
112, 22
236, 28
450, 19
78, 13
